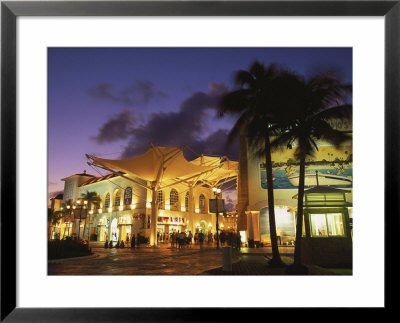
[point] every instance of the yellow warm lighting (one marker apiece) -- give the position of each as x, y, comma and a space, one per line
133, 206
91, 212
148, 205
79, 201
74, 207
100, 211
110, 209
182, 209
121, 207
85, 202
218, 190
68, 207
167, 207
197, 211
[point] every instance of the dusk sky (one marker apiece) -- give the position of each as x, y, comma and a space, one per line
112, 102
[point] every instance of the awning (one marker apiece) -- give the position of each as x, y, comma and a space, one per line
173, 166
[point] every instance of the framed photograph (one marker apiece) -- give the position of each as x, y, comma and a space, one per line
114, 88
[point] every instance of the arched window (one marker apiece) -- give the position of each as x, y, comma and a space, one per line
160, 199
107, 201
202, 203
173, 199
117, 198
187, 201
128, 196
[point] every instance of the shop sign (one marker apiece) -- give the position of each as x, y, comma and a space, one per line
124, 220
163, 219
213, 205
177, 220
128, 196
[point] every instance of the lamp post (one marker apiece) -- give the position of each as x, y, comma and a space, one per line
217, 191
80, 216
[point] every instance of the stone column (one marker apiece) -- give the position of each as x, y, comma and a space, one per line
153, 218
191, 210
242, 184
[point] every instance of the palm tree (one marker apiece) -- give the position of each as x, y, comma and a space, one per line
53, 217
93, 200
253, 104
310, 104
66, 210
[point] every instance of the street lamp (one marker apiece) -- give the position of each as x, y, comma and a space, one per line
217, 191
80, 215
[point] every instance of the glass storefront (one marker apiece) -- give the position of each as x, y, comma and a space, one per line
327, 225
285, 226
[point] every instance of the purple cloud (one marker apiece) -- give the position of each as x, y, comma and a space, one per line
184, 127
119, 126
140, 92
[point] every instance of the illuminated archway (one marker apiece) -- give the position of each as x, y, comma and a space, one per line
114, 230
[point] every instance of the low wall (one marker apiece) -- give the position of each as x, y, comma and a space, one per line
327, 251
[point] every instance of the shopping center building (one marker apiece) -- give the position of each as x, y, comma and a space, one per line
327, 229
151, 194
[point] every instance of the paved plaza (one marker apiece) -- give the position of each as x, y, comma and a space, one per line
165, 260
141, 261
162, 260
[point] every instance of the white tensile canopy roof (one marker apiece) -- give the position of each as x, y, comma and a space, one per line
167, 165
223, 169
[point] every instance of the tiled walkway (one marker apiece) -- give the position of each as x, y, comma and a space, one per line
165, 260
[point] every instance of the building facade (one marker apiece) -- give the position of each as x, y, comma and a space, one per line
328, 209
126, 207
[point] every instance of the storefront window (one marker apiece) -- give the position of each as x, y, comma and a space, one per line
318, 225
335, 224
324, 225
117, 198
173, 199
107, 201
285, 225
160, 199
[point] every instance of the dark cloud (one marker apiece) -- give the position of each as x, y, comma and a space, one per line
230, 200
185, 127
140, 92
119, 126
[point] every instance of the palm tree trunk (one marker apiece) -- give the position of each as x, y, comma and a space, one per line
276, 258
299, 223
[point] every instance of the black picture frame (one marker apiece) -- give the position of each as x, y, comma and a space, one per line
10, 10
